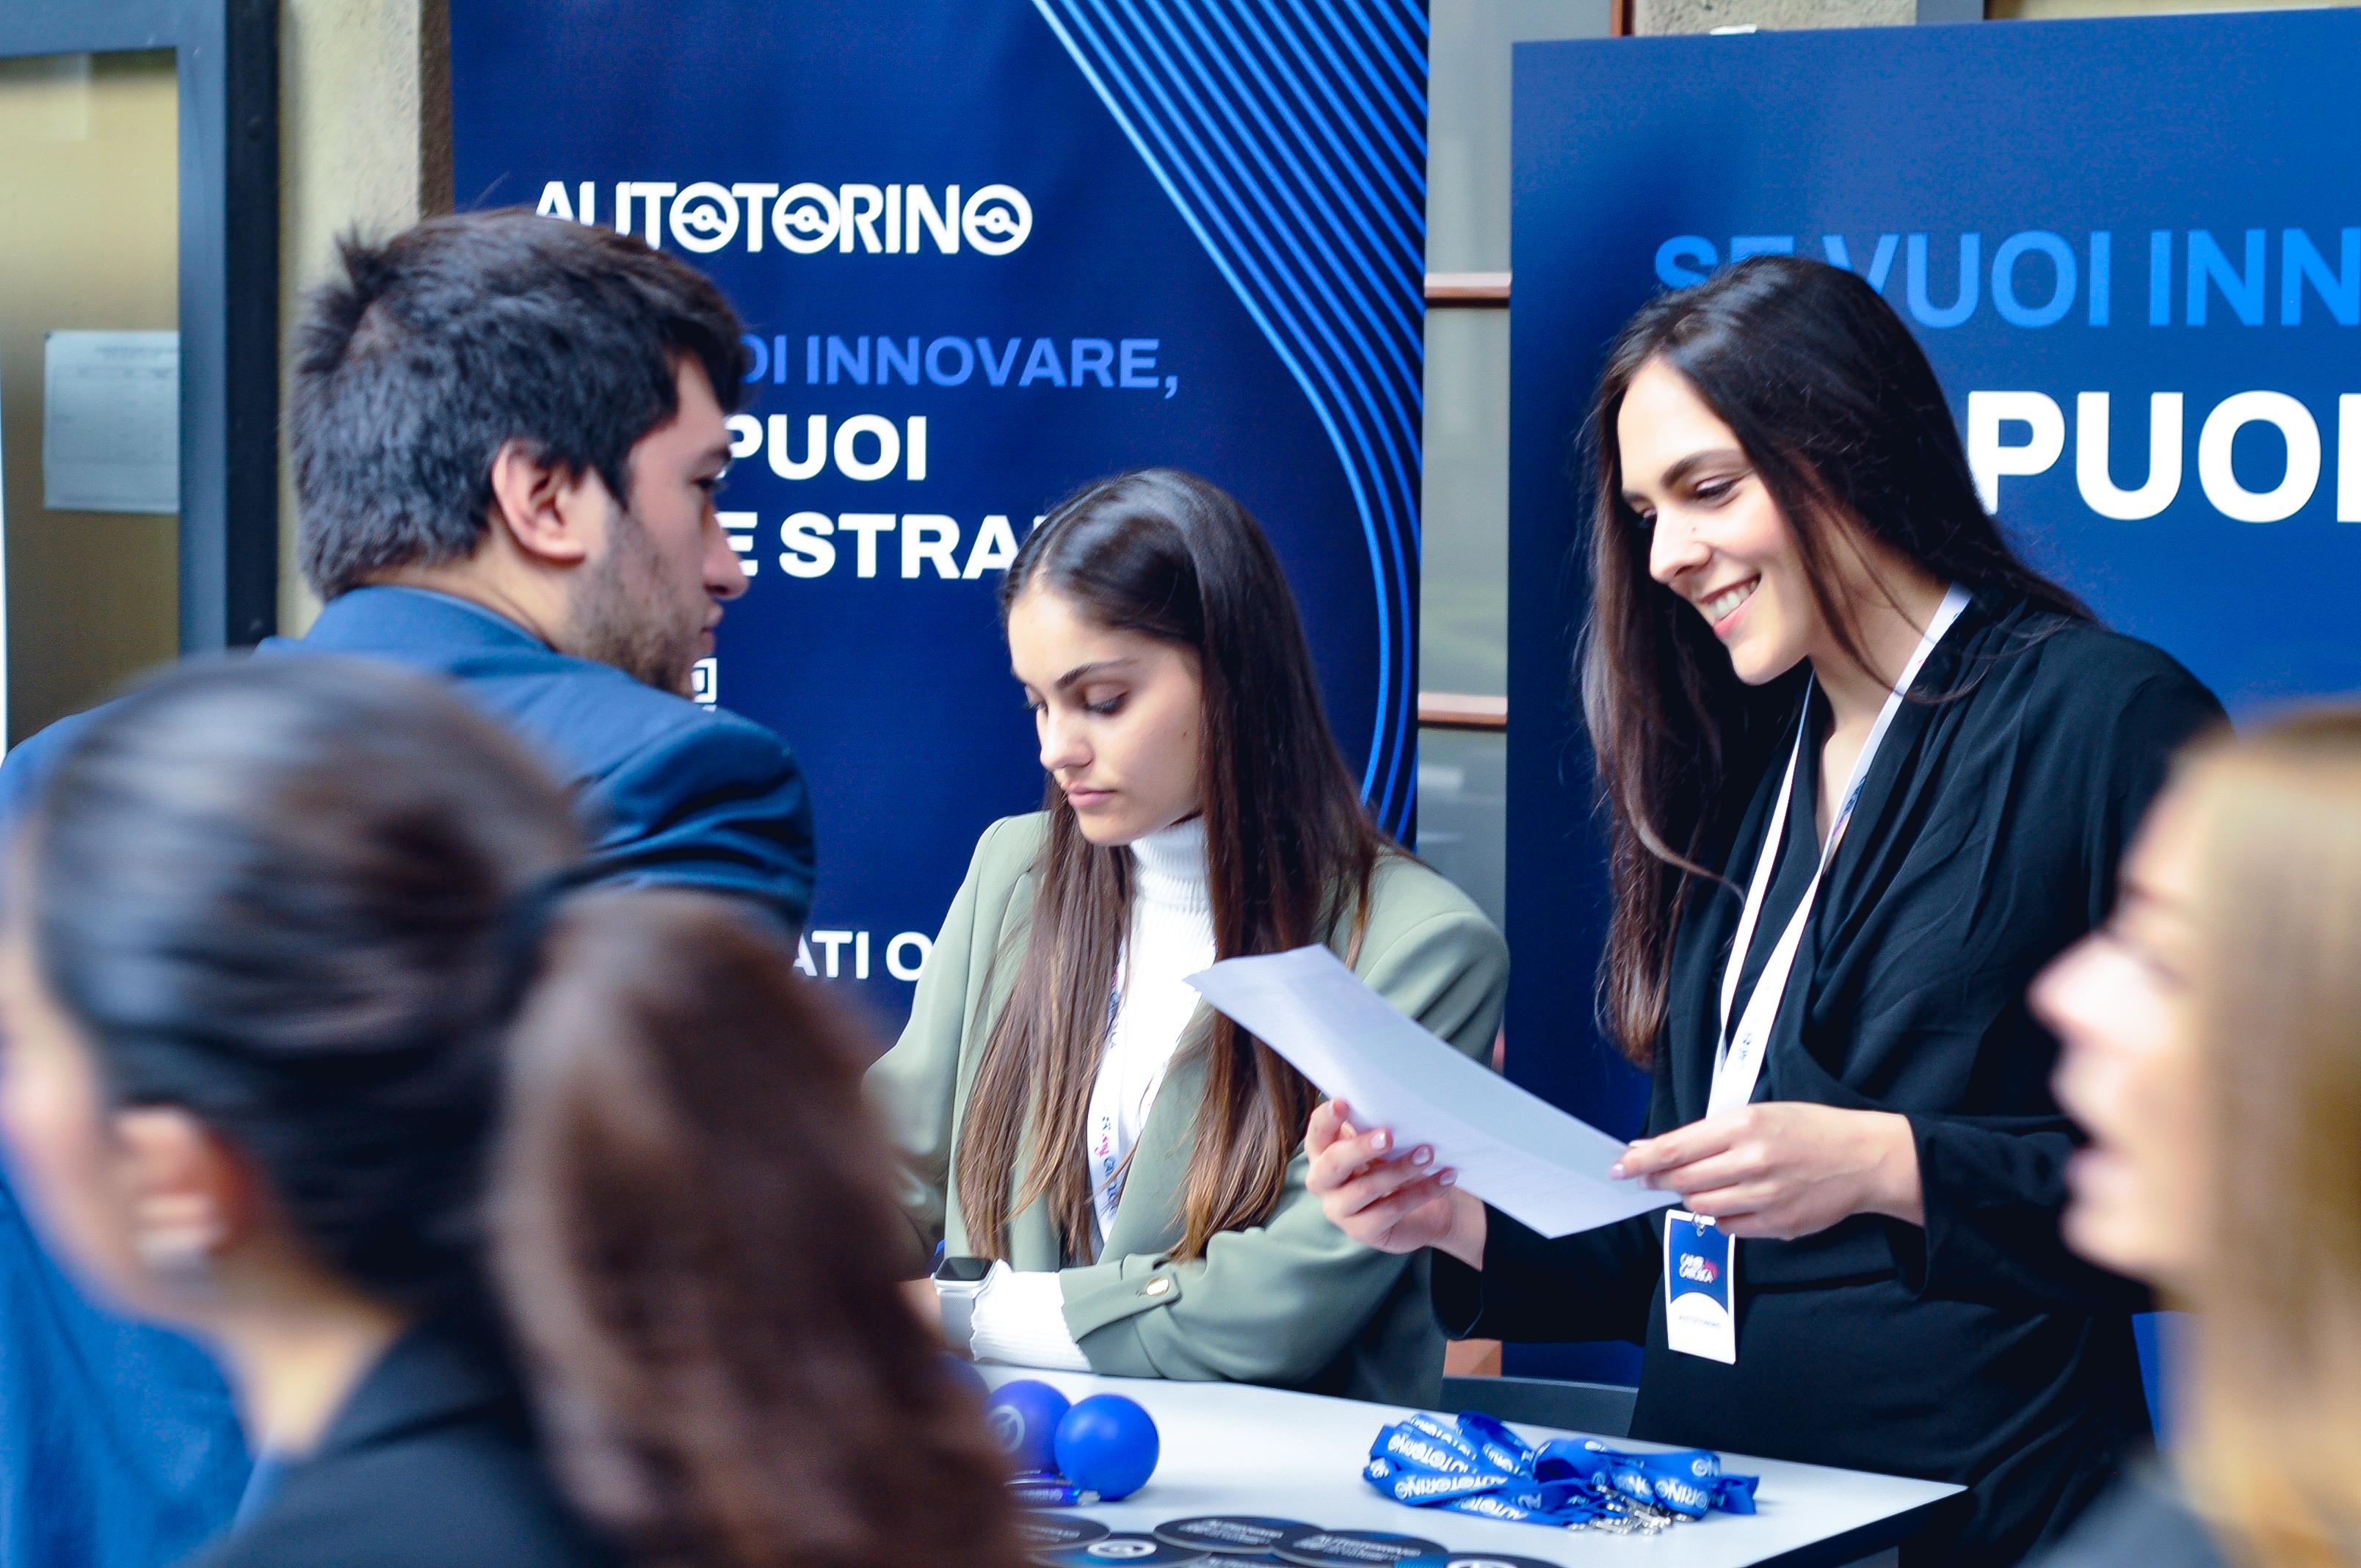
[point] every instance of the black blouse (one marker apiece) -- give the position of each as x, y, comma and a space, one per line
431, 1462
1976, 1349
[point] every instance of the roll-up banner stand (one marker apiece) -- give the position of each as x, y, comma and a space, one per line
988, 250
2130, 248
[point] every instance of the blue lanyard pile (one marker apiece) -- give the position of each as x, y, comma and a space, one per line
1478, 1466
1046, 1489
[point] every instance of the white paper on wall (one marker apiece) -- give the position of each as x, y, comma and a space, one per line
111, 421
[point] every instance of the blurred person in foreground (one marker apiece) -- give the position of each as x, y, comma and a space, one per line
533, 1227
506, 432
2212, 1035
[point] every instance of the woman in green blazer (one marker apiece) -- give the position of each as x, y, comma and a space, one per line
1129, 1160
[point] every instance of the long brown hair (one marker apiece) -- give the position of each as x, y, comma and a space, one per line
1842, 419
1289, 851
691, 1204
315, 903
2274, 1449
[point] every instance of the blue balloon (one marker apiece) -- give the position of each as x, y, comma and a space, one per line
1107, 1444
1024, 1415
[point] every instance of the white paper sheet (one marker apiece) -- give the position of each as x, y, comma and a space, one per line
111, 421
1517, 1152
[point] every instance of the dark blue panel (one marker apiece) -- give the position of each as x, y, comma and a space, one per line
1226, 214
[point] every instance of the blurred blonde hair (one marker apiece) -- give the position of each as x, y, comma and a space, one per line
2275, 1453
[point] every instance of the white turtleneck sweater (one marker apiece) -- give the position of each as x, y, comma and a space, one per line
1021, 1318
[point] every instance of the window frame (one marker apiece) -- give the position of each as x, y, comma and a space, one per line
226, 62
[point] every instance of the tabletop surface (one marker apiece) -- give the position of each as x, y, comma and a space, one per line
1231, 1448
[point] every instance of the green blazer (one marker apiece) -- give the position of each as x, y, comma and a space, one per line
1291, 1301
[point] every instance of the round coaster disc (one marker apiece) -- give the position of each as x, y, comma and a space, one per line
1120, 1551
1042, 1532
1230, 1535
1354, 1548
1474, 1560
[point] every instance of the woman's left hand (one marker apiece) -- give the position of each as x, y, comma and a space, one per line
1786, 1168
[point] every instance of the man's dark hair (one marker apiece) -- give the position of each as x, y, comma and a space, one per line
465, 332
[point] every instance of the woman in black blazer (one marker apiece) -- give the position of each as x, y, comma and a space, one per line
431, 1458
1868, 771
535, 1231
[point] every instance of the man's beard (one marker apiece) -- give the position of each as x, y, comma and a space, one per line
622, 617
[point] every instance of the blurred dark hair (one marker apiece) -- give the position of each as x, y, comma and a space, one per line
460, 334
1842, 419
273, 893
312, 903
1289, 848
693, 1212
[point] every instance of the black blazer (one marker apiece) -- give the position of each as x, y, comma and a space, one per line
430, 1463
1976, 1348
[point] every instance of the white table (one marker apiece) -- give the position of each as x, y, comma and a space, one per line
1229, 1448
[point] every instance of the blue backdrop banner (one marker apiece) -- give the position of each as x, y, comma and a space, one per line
2129, 247
988, 250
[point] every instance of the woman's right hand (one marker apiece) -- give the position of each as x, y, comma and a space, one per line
1391, 1202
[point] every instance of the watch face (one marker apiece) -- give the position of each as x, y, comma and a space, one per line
963, 1270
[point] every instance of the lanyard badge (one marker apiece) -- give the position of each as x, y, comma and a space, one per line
1700, 1287
1701, 1306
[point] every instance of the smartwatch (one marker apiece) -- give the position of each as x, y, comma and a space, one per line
958, 1282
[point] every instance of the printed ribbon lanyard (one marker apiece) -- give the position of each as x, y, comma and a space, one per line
1106, 1166
1738, 1059
1476, 1466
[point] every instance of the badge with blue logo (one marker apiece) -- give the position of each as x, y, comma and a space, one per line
1700, 1287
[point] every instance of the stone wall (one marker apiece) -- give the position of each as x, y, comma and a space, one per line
364, 143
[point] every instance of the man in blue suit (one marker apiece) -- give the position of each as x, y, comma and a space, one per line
507, 433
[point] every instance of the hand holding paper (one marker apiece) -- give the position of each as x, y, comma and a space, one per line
1518, 1153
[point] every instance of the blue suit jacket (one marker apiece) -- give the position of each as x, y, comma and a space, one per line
118, 1445
667, 791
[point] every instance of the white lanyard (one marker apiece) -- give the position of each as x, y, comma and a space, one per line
1737, 1058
